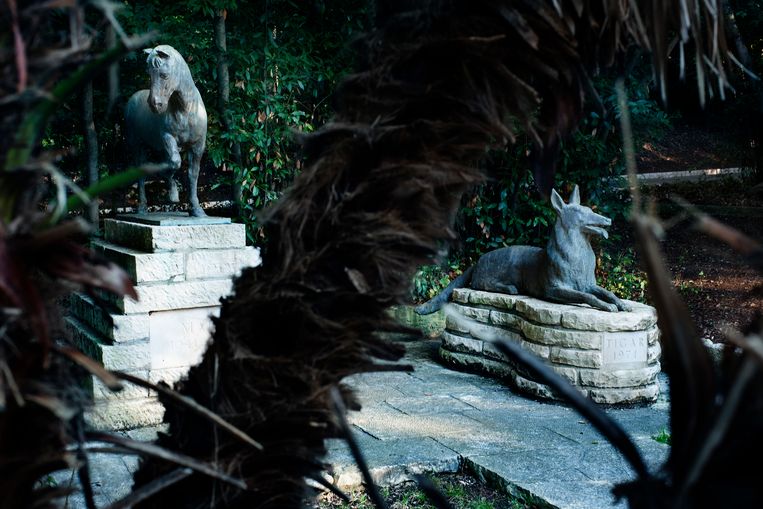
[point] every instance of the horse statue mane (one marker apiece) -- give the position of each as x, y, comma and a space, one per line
168, 118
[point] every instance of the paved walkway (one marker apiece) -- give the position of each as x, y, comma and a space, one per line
436, 420
439, 420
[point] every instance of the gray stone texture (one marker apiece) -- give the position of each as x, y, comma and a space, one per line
127, 355
113, 326
182, 267
615, 353
181, 295
153, 238
144, 267
220, 263
121, 415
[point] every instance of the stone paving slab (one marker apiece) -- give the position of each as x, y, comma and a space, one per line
437, 420
394, 461
541, 449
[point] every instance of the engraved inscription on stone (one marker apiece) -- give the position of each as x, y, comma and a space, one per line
179, 337
624, 350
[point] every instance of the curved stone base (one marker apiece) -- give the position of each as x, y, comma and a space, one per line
612, 357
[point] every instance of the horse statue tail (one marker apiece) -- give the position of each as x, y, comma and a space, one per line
439, 300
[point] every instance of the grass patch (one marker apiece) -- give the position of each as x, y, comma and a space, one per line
462, 491
663, 436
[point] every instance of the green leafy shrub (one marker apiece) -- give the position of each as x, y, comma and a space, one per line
618, 272
429, 280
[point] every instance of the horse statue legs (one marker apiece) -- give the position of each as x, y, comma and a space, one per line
175, 161
194, 162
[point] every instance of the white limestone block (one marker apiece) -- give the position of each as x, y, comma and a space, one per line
540, 311
458, 343
144, 267
129, 391
497, 300
182, 295
623, 350
153, 238
580, 358
218, 263
641, 317
508, 320
619, 378
569, 373
111, 325
122, 415
179, 337
586, 340
478, 314
631, 395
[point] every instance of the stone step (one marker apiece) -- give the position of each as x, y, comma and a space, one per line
128, 355
109, 323
168, 296
144, 267
154, 238
174, 266
122, 415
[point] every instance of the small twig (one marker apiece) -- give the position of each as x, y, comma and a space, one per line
166, 455
749, 369
332, 488
630, 155
192, 405
83, 472
340, 414
95, 368
752, 344
432, 492
12, 386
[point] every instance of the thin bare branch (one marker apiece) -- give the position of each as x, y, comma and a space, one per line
148, 490
95, 368
430, 490
332, 488
340, 413
750, 367
166, 455
192, 405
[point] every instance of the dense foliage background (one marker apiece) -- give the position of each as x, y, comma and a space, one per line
283, 60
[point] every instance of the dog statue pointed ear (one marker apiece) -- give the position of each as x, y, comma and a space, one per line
556, 201
148, 51
575, 196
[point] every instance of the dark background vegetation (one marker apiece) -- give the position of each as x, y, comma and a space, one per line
283, 59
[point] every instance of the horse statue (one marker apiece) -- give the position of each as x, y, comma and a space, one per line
169, 118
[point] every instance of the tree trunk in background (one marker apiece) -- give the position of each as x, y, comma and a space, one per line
76, 29
91, 149
111, 41
223, 95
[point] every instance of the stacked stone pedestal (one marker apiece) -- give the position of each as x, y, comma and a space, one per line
181, 267
611, 357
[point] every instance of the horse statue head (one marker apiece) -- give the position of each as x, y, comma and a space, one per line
168, 72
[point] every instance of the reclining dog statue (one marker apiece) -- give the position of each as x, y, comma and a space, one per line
563, 272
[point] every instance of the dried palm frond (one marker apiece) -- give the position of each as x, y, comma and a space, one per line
440, 82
